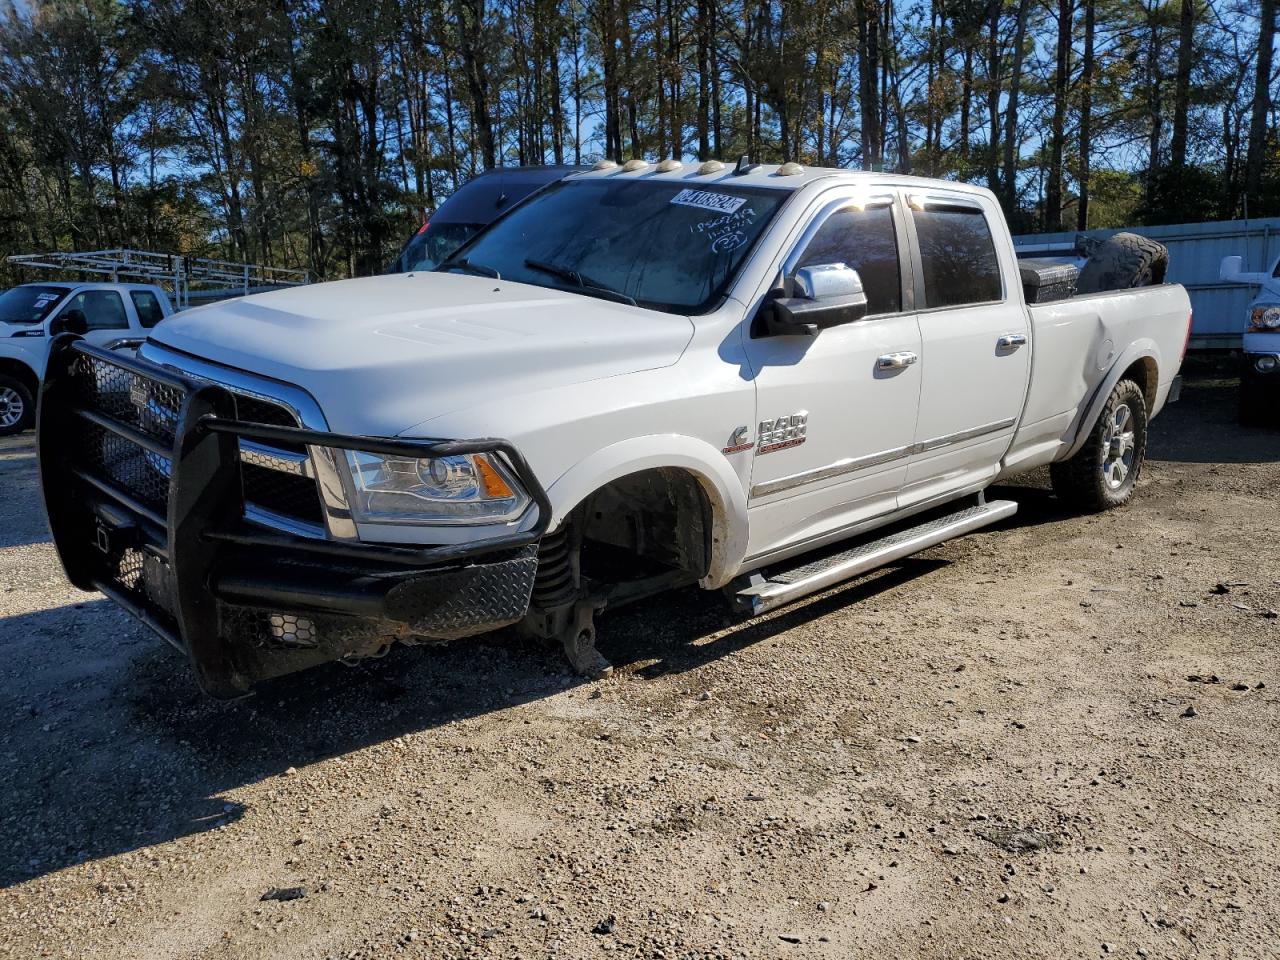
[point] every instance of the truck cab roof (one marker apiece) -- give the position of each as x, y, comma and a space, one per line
788, 176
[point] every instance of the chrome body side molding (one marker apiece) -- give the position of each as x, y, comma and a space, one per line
848, 465
961, 436
853, 464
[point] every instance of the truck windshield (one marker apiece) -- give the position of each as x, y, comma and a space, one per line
661, 244
28, 305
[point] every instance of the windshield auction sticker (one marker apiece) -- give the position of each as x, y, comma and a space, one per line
706, 200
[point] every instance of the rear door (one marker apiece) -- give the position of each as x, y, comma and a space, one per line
148, 307
975, 340
835, 421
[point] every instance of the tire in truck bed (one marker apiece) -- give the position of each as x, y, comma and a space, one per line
1123, 261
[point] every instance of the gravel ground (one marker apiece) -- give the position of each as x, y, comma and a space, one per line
1054, 738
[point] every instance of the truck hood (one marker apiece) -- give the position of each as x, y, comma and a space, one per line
382, 354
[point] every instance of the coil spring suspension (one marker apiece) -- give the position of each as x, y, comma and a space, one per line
554, 584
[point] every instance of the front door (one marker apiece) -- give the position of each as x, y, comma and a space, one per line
977, 353
836, 411
104, 313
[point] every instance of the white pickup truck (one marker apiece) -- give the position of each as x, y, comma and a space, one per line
1260, 360
113, 315
758, 379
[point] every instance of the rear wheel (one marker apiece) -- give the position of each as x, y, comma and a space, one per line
1104, 472
17, 408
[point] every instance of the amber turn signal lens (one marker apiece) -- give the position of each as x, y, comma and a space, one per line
494, 486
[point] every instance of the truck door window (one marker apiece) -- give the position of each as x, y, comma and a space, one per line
865, 240
103, 309
148, 307
957, 255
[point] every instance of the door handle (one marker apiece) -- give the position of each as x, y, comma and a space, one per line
1011, 341
896, 361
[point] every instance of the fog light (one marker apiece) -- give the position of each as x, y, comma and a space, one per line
1266, 364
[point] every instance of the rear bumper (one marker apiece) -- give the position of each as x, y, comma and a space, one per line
150, 511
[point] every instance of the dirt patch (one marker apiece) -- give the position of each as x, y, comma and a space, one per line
983, 752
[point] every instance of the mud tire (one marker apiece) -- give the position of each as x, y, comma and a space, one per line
1123, 261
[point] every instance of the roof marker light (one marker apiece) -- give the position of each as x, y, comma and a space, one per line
603, 165
631, 166
667, 166
710, 166
790, 169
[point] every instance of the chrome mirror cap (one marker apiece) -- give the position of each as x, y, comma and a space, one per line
826, 281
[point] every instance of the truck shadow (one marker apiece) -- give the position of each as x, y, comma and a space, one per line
107, 747
122, 752
20, 525
1203, 427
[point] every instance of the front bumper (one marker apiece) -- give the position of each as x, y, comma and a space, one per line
150, 511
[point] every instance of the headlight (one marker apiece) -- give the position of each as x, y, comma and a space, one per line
474, 488
1264, 319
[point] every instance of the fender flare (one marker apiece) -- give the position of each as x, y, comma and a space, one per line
721, 484
12, 354
1142, 349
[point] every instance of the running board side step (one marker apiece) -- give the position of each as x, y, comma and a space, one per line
783, 586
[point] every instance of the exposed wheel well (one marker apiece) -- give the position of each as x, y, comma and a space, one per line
654, 518
1146, 375
653, 525
22, 373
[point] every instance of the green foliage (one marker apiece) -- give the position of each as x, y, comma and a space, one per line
1116, 198
318, 133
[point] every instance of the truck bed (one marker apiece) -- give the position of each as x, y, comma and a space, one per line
1075, 355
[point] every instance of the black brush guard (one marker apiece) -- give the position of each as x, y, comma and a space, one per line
141, 477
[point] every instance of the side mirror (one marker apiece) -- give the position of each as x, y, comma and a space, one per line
70, 321
1231, 269
826, 295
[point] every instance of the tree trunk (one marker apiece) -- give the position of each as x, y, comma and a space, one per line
1057, 132
994, 80
1155, 104
869, 82
577, 85
717, 129
704, 79
470, 30
966, 100
557, 104
1011, 113
1086, 117
1261, 102
1182, 85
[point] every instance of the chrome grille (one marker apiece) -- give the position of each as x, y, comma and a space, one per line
278, 483
146, 405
